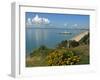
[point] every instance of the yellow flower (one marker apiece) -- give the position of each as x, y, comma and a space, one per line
69, 58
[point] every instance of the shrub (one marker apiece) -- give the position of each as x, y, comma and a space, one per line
41, 51
63, 44
73, 43
43, 47
68, 44
85, 39
59, 57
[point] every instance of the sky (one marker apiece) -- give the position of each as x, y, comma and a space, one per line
34, 19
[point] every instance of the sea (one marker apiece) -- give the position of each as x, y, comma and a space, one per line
50, 37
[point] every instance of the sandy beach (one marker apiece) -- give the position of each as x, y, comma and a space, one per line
80, 36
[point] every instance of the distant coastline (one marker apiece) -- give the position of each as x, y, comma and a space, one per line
57, 28
80, 36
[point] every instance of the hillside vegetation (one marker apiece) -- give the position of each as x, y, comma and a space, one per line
65, 53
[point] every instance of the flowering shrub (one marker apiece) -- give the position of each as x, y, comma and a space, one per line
62, 57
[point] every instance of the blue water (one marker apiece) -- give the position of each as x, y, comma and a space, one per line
35, 37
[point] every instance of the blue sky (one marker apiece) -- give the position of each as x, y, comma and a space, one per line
59, 20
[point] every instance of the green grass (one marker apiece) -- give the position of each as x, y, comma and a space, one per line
38, 57
83, 52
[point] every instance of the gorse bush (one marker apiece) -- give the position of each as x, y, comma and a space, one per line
62, 57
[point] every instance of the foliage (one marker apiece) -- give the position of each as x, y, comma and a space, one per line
68, 44
41, 51
85, 39
63, 44
83, 52
62, 57
37, 57
73, 43
66, 53
43, 47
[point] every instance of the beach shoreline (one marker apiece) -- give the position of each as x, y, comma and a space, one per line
80, 36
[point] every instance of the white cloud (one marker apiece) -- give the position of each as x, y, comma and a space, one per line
29, 22
40, 20
65, 24
75, 25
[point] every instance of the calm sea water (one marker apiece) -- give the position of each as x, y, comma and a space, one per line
35, 37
